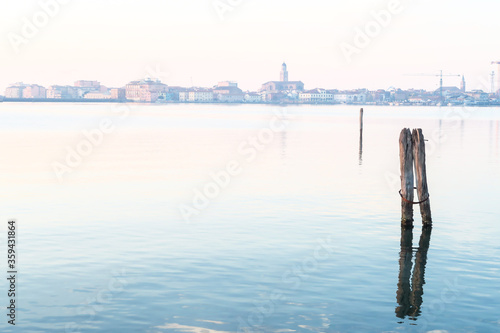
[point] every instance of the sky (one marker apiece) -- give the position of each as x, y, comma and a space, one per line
201, 42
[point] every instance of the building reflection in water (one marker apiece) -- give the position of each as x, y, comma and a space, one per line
410, 286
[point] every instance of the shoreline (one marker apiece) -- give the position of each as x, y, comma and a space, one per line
121, 101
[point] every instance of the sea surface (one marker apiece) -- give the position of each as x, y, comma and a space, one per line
247, 218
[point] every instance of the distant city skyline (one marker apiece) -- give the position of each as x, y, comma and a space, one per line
283, 91
157, 74
199, 43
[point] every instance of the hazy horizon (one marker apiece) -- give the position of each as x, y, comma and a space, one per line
203, 42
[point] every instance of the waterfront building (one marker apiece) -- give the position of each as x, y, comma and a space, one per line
378, 96
276, 86
83, 87
118, 93
167, 97
227, 89
416, 100
172, 93
98, 95
34, 91
478, 95
228, 92
316, 96
183, 95
15, 90
62, 92
231, 98
201, 96
253, 97
273, 96
283, 84
350, 97
196, 95
144, 90
399, 95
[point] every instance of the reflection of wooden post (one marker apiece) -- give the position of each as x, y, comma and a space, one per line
418, 279
410, 298
421, 174
405, 256
361, 136
406, 166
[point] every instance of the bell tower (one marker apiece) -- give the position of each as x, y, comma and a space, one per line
284, 73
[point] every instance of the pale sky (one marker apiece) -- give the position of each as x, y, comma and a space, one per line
186, 41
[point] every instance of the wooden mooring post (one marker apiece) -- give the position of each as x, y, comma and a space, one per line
412, 152
406, 166
421, 174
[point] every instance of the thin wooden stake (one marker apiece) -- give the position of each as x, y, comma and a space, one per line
361, 119
406, 166
361, 136
421, 175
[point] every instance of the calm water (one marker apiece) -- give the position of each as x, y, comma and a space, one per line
303, 237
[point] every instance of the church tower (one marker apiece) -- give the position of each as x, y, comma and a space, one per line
462, 84
284, 73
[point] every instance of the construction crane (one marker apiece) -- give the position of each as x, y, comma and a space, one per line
440, 80
492, 75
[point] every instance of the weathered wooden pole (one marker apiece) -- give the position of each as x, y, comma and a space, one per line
361, 136
406, 166
361, 119
421, 175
